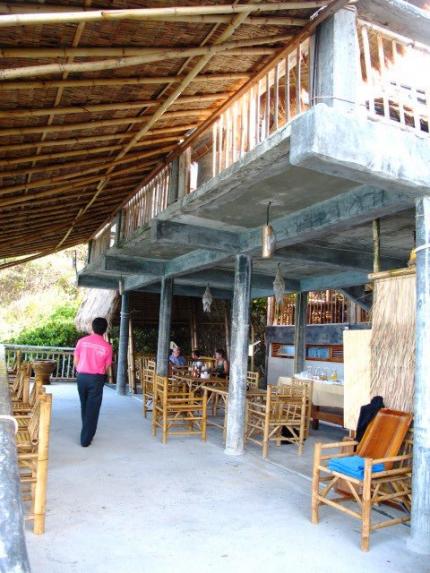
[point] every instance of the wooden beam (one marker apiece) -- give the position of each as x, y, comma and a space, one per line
149, 13
122, 61
97, 108
122, 81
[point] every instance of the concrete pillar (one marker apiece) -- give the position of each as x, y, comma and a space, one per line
299, 331
165, 318
121, 371
337, 75
238, 356
420, 522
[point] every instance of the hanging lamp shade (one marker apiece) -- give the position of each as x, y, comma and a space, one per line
279, 286
268, 237
207, 300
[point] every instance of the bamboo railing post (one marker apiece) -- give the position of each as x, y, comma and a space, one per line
42, 464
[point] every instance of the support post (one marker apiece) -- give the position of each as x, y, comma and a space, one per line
420, 519
130, 358
118, 229
121, 373
238, 356
164, 322
376, 234
184, 173
337, 75
299, 331
172, 194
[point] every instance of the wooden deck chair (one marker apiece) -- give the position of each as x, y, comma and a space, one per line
283, 407
252, 380
381, 444
33, 464
177, 411
148, 375
25, 407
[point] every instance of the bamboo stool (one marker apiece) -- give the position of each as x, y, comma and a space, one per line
381, 443
177, 411
268, 414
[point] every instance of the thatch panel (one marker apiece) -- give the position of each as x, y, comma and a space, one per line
393, 341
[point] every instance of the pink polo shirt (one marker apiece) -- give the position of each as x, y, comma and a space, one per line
93, 354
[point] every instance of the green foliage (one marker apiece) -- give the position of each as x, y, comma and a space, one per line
57, 330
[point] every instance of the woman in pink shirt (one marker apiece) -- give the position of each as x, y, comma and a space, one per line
93, 356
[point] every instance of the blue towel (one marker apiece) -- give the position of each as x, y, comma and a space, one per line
352, 466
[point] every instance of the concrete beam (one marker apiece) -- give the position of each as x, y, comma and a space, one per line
345, 259
399, 16
126, 264
358, 295
191, 291
369, 152
97, 281
342, 212
335, 281
225, 279
172, 233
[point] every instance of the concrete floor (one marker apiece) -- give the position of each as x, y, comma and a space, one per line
127, 504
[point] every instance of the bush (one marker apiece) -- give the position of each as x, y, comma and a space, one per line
57, 330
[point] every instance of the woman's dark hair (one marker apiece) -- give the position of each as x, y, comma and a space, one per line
197, 353
99, 325
220, 351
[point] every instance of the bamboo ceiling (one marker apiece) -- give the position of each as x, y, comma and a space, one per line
92, 101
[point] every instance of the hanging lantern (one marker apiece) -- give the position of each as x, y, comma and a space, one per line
207, 299
268, 237
279, 286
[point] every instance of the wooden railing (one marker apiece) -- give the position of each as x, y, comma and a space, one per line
64, 370
148, 202
278, 97
103, 241
395, 74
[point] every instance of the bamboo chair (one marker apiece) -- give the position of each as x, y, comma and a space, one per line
26, 406
252, 380
381, 443
177, 411
281, 407
148, 375
33, 447
20, 387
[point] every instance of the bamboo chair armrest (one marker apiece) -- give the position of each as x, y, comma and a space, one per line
330, 445
392, 459
22, 416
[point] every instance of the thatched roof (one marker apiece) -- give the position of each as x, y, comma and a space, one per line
80, 128
97, 302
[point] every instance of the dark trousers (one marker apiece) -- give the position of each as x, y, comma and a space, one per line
90, 388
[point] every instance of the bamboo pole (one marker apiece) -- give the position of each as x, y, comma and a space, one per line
126, 51
130, 358
42, 464
148, 13
376, 232
116, 106
123, 81
22, 8
121, 62
97, 123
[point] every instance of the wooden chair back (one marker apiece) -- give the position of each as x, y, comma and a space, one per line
385, 434
252, 380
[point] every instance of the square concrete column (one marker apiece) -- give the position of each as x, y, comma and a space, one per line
300, 331
121, 371
336, 75
239, 356
164, 322
420, 521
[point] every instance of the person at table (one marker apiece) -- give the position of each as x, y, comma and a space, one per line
176, 359
197, 362
222, 365
92, 358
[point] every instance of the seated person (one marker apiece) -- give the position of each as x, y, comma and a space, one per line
176, 359
222, 365
197, 363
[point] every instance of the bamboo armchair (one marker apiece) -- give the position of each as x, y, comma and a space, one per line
281, 407
252, 380
177, 410
147, 381
20, 387
25, 406
380, 444
33, 446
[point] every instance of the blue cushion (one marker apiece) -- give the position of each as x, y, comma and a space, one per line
352, 466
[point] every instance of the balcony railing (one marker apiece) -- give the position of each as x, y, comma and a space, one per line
63, 357
395, 72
